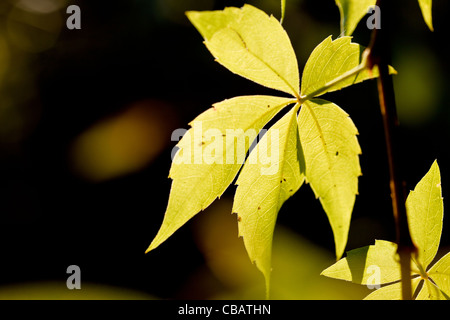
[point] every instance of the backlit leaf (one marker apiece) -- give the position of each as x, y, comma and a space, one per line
429, 291
425, 6
328, 138
330, 60
389, 292
283, 10
250, 43
356, 266
264, 184
211, 154
352, 11
392, 291
440, 273
425, 214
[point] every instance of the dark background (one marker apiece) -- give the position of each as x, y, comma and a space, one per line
58, 85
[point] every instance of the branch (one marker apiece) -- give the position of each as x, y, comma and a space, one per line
379, 55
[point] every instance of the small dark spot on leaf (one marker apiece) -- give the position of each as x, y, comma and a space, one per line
239, 219
284, 179
337, 153
259, 208
268, 106
291, 190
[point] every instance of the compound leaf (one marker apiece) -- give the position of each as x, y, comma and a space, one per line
330, 60
425, 210
352, 12
265, 184
425, 215
210, 155
358, 266
250, 43
425, 7
331, 149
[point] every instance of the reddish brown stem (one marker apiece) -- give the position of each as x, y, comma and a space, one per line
379, 55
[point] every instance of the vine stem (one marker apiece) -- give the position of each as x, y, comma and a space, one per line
379, 55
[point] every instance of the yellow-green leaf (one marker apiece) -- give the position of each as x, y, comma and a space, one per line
330, 60
392, 291
389, 292
264, 184
425, 211
425, 7
283, 9
250, 43
211, 154
352, 12
425, 214
359, 265
440, 274
429, 291
331, 149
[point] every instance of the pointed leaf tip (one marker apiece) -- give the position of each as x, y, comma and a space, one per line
207, 162
425, 210
358, 264
426, 8
283, 9
331, 60
352, 11
270, 182
332, 162
250, 43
